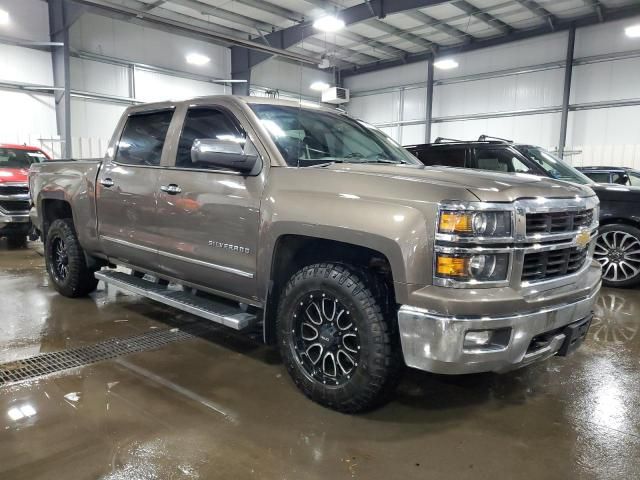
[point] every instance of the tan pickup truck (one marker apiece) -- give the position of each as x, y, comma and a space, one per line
350, 255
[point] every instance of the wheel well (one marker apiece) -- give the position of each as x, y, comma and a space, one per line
292, 252
619, 220
52, 210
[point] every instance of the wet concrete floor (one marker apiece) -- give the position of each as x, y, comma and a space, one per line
221, 405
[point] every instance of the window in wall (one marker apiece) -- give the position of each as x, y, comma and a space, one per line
143, 138
201, 123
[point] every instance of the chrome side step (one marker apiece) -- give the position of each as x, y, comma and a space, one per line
215, 311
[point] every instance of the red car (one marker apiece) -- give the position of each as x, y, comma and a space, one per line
15, 161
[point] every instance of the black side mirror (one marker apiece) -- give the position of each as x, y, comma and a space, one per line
223, 153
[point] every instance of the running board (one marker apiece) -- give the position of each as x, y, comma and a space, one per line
215, 311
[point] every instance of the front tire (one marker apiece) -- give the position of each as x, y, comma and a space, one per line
65, 261
334, 340
618, 251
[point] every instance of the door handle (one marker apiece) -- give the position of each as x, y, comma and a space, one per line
171, 189
107, 182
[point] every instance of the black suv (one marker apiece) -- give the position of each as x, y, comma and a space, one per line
618, 243
618, 175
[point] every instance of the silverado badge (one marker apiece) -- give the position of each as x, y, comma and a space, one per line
583, 238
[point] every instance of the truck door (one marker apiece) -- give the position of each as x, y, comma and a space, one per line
127, 190
208, 217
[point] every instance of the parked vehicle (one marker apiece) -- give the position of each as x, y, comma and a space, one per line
618, 175
349, 253
15, 161
618, 241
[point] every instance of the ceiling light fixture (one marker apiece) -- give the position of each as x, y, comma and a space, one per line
4, 17
330, 23
319, 86
633, 31
197, 59
445, 64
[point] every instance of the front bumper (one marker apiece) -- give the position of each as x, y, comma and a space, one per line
16, 223
435, 343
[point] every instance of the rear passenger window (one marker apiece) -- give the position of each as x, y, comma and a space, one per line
143, 138
444, 156
600, 177
204, 123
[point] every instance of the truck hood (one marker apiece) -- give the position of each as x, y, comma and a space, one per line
486, 186
13, 175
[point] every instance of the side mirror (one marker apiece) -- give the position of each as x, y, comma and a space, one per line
223, 153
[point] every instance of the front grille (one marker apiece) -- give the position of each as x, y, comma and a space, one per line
552, 264
558, 222
13, 189
17, 206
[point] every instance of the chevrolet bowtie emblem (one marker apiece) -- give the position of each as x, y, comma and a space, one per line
583, 238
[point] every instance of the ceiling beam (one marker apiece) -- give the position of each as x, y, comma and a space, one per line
439, 25
396, 32
522, 34
541, 12
290, 36
490, 20
597, 7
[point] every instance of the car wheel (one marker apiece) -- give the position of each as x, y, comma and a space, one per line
65, 261
335, 342
618, 251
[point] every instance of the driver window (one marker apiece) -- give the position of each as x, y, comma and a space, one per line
205, 122
143, 138
500, 161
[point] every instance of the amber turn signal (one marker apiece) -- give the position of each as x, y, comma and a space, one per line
451, 266
455, 222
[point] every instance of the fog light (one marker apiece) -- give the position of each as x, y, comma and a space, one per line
477, 339
487, 340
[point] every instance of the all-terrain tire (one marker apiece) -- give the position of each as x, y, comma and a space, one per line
377, 370
78, 279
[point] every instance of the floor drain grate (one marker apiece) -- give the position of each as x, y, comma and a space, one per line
52, 362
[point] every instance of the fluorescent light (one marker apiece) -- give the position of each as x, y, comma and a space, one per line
197, 59
330, 23
445, 64
633, 31
4, 17
320, 86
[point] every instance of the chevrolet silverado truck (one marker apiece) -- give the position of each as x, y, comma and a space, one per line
346, 251
15, 161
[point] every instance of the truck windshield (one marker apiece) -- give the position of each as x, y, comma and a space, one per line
308, 137
554, 166
16, 158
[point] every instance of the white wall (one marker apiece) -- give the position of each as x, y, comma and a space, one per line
26, 117
610, 135
290, 78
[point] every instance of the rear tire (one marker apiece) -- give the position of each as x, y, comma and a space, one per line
615, 247
65, 261
334, 340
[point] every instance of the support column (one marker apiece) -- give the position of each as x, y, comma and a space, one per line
241, 70
568, 72
429, 109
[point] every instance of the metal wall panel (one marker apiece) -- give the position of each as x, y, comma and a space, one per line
545, 49
99, 77
605, 38
537, 129
412, 134
515, 92
29, 20
390, 77
26, 117
279, 74
94, 119
415, 104
154, 87
614, 80
19, 64
124, 40
379, 108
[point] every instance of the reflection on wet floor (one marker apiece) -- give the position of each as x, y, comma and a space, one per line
221, 405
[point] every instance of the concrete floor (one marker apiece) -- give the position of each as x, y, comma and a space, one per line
222, 406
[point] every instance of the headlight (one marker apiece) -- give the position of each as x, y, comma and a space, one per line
468, 223
472, 267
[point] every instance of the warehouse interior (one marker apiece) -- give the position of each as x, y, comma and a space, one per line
213, 403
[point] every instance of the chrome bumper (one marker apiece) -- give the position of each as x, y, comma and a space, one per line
435, 343
6, 218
